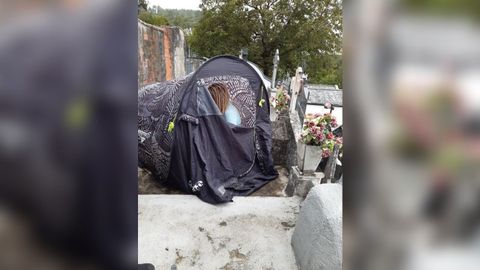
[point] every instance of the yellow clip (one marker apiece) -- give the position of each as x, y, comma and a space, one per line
261, 102
171, 125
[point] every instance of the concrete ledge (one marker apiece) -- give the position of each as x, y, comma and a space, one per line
297, 126
249, 233
299, 184
317, 239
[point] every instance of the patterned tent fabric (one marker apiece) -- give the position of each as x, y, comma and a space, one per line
184, 140
241, 96
157, 106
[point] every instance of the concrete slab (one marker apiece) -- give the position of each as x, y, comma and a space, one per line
250, 233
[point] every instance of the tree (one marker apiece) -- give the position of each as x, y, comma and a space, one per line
184, 18
444, 8
149, 17
301, 29
153, 19
326, 69
142, 5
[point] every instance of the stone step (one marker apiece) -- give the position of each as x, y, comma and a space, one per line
249, 233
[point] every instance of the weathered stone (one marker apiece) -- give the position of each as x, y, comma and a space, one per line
317, 239
161, 53
309, 157
284, 150
301, 106
300, 184
331, 166
297, 126
280, 138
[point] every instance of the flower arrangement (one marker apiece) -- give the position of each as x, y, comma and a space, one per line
281, 100
317, 130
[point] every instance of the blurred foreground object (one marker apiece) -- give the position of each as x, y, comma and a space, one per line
412, 140
68, 132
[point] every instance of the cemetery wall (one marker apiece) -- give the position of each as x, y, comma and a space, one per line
161, 53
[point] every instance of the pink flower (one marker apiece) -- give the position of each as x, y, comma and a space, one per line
325, 153
330, 136
311, 124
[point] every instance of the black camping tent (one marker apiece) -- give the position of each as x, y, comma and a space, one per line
185, 141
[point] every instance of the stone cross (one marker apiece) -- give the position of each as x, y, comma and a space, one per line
295, 87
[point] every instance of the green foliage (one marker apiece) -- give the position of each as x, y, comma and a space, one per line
325, 69
153, 19
444, 8
142, 5
303, 31
281, 100
184, 18
318, 130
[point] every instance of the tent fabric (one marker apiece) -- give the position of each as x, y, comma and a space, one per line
241, 96
157, 105
204, 154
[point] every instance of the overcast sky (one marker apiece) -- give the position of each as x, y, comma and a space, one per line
175, 4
